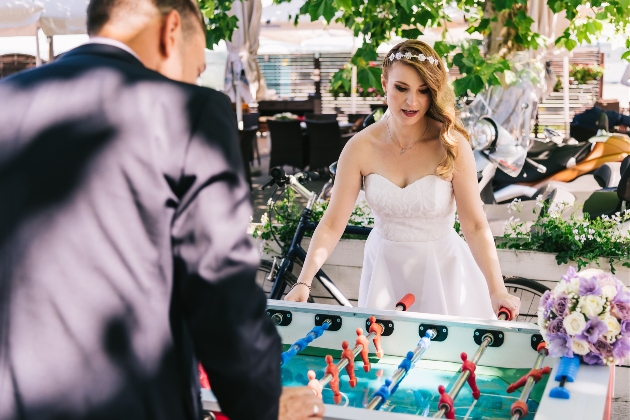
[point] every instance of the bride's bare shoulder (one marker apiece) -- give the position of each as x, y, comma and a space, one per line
366, 141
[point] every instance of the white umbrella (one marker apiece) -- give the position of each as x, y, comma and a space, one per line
243, 78
54, 17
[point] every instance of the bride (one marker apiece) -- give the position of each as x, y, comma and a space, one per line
417, 167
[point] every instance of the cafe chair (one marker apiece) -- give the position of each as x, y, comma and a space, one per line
286, 143
251, 121
321, 117
325, 143
247, 138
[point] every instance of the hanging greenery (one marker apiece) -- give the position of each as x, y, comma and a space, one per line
380, 20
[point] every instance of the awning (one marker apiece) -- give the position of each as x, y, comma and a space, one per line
54, 17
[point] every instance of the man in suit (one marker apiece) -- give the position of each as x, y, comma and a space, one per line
123, 252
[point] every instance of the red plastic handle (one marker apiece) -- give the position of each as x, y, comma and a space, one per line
505, 314
405, 302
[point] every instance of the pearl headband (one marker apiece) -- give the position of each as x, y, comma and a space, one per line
421, 57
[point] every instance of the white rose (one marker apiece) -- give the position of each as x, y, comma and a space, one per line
579, 346
609, 292
591, 305
264, 219
573, 286
560, 288
574, 323
614, 329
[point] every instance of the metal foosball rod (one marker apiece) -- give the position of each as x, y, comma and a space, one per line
519, 408
446, 405
391, 385
302, 343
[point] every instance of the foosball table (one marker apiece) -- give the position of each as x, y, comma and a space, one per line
396, 365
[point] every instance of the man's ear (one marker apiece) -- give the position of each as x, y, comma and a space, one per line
171, 25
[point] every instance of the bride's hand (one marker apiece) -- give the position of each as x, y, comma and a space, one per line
505, 300
298, 294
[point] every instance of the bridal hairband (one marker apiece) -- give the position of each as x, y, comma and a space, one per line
421, 57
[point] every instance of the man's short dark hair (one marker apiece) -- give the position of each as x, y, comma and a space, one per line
99, 12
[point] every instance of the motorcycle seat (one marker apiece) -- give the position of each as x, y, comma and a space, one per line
552, 156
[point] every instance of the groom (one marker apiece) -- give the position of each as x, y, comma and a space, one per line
123, 252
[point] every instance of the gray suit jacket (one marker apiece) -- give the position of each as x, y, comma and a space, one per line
123, 249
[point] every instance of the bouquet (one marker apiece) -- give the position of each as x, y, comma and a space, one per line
587, 315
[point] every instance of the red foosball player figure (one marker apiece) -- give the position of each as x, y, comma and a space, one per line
349, 356
362, 340
333, 370
378, 330
314, 384
472, 379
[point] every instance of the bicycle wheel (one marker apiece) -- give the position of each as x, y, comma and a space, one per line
529, 291
262, 278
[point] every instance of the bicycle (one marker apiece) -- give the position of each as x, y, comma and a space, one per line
280, 270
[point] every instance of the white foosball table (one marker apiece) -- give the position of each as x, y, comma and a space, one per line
510, 351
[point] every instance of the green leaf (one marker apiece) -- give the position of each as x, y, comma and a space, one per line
626, 56
406, 5
411, 33
467, 83
443, 48
369, 77
319, 8
343, 4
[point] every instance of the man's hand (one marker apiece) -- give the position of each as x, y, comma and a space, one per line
297, 403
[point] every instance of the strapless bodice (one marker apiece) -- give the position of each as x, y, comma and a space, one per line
422, 211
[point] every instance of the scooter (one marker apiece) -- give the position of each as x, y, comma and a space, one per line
551, 163
531, 166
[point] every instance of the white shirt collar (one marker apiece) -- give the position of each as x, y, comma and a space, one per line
113, 43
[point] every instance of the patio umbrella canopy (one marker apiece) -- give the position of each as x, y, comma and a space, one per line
242, 74
54, 17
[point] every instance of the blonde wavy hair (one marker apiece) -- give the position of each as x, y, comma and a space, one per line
442, 107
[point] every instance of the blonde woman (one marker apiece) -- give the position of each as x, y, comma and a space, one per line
417, 169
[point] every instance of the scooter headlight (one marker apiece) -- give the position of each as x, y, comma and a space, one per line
482, 134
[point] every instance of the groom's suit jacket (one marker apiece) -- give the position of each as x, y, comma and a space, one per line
124, 257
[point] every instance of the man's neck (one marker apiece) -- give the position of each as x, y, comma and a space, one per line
114, 43
141, 42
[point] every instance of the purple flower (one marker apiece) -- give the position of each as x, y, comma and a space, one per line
560, 345
594, 328
625, 327
620, 310
592, 359
555, 327
590, 286
545, 299
623, 296
571, 274
560, 305
602, 347
621, 348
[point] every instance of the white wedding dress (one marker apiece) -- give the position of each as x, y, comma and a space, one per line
414, 248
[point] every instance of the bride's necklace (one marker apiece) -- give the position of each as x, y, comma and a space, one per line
402, 149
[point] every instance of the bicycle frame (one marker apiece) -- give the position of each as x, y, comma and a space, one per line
296, 251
